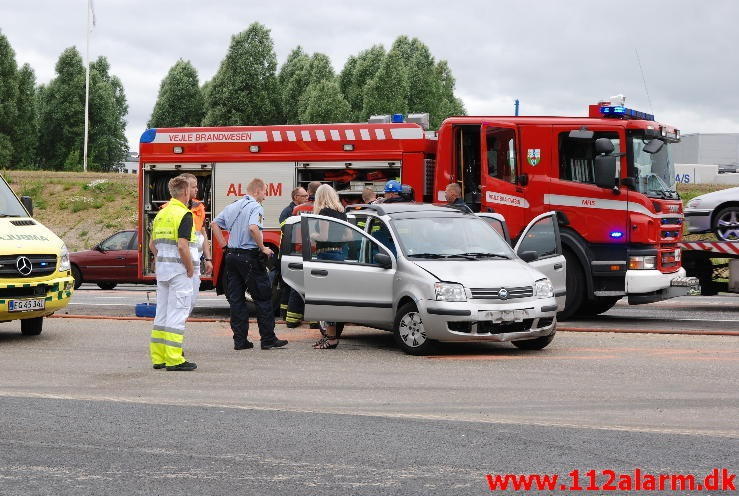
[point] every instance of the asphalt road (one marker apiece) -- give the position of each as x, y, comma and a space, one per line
82, 412
714, 313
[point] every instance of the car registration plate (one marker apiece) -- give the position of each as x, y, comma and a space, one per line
498, 316
26, 305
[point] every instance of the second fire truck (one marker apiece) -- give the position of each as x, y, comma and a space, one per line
608, 174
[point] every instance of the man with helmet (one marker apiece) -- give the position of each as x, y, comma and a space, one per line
393, 192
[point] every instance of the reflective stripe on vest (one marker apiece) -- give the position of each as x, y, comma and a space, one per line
164, 234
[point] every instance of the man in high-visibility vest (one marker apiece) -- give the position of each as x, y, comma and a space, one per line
197, 208
174, 246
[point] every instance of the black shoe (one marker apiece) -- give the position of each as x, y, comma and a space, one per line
158, 366
277, 343
184, 366
246, 346
292, 325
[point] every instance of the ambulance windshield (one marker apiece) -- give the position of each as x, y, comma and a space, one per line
654, 172
9, 204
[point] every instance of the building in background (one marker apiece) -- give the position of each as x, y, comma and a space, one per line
131, 165
709, 149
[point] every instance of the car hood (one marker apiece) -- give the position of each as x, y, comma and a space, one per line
715, 197
482, 273
34, 238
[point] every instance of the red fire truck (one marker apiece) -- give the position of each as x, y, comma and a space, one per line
609, 175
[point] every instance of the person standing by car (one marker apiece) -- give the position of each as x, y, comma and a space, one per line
328, 247
173, 246
368, 196
299, 196
308, 205
197, 208
246, 268
453, 194
393, 192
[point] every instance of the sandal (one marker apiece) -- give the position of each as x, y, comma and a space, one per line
324, 344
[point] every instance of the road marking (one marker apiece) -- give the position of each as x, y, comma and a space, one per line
391, 415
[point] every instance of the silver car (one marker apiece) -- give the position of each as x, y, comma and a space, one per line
429, 274
716, 212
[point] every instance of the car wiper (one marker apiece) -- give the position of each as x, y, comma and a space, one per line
478, 254
427, 255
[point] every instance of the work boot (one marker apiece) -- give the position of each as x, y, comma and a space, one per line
292, 325
184, 367
246, 346
277, 343
158, 366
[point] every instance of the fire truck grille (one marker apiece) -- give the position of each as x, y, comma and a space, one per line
41, 265
671, 221
502, 293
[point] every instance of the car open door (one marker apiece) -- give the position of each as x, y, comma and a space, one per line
347, 274
542, 237
291, 254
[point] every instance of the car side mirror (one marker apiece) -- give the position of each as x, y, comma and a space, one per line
653, 146
27, 202
605, 171
528, 256
384, 260
99, 248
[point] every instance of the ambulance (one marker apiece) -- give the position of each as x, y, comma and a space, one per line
35, 275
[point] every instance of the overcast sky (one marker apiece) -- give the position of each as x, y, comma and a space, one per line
556, 57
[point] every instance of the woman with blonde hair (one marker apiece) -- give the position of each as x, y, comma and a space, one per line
329, 246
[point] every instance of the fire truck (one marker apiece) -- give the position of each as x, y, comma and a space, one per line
609, 176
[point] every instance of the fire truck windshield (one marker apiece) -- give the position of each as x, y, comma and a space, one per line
654, 172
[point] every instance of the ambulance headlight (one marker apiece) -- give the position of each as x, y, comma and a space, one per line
446, 291
64, 259
543, 288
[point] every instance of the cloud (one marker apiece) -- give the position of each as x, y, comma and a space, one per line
556, 57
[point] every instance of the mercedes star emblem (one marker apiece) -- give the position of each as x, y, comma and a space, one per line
503, 294
24, 266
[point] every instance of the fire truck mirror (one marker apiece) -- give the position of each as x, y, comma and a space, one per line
605, 171
581, 133
653, 146
604, 146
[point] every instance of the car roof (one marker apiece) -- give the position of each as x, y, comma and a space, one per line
408, 210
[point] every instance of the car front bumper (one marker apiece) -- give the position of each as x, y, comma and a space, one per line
56, 292
699, 221
495, 322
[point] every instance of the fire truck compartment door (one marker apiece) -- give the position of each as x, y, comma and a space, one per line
542, 236
342, 279
231, 178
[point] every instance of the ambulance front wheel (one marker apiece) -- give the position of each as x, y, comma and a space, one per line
32, 327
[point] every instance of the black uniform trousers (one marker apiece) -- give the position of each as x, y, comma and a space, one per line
247, 271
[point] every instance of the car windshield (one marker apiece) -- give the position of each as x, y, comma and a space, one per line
468, 238
9, 204
655, 172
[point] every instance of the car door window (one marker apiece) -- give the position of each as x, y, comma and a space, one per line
332, 241
541, 238
134, 245
118, 241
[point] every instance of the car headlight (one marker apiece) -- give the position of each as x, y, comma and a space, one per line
543, 288
642, 263
446, 291
64, 259
694, 203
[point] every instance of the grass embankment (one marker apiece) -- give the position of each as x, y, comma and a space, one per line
81, 208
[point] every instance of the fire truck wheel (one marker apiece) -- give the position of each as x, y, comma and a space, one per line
575, 287
77, 275
534, 344
597, 306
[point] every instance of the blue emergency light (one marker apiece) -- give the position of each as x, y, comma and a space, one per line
616, 234
397, 119
148, 136
621, 112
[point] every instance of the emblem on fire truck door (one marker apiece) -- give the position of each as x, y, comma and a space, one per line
534, 156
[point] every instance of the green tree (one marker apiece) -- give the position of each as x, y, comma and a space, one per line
448, 104
244, 91
25, 135
319, 70
422, 78
8, 97
356, 75
61, 115
293, 81
387, 91
107, 145
324, 103
180, 101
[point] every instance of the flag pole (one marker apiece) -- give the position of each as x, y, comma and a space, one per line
87, 88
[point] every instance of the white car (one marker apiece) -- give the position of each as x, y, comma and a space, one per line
429, 274
716, 212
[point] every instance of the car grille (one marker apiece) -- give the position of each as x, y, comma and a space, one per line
29, 292
489, 327
41, 265
494, 293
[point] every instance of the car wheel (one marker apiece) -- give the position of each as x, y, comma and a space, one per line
32, 327
598, 306
534, 344
726, 224
410, 333
77, 275
107, 285
575, 287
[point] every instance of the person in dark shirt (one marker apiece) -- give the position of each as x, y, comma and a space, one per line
453, 194
393, 192
299, 196
308, 205
330, 245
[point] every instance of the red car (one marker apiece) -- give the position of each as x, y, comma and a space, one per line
112, 261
